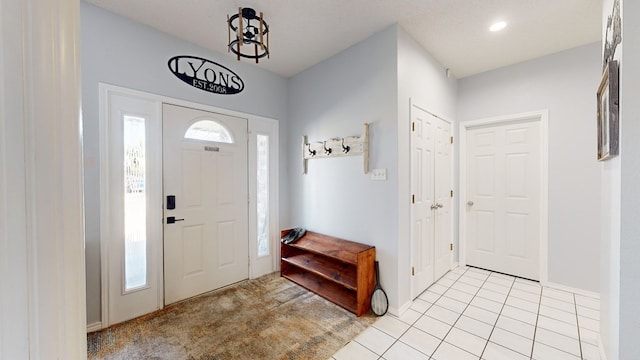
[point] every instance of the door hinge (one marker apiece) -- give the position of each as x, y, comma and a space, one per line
413, 271
451, 246
452, 139
451, 193
413, 126
413, 198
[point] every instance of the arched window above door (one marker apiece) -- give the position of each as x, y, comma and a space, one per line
209, 130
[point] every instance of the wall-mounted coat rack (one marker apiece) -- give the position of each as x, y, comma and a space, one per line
337, 147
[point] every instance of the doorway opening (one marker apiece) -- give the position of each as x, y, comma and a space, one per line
504, 194
225, 167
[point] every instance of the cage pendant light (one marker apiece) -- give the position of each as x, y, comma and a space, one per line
250, 37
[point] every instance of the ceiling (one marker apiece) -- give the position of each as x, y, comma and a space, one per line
455, 32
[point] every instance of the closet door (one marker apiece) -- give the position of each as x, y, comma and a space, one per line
443, 237
422, 200
431, 184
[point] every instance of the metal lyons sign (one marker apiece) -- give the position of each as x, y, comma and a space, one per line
206, 75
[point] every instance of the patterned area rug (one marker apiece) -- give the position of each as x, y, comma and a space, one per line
265, 318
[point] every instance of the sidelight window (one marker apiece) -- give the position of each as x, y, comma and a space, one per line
263, 194
135, 203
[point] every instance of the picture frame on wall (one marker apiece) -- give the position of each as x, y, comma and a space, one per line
608, 121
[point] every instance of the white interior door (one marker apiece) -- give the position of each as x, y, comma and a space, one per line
443, 196
131, 228
205, 169
503, 198
431, 208
423, 129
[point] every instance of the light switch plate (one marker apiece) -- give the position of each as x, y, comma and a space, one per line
379, 174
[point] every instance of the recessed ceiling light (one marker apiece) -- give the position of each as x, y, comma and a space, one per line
498, 26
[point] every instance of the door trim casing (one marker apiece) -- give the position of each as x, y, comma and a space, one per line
253, 121
541, 116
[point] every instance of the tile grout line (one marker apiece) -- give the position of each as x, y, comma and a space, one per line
411, 325
575, 304
535, 328
558, 333
465, 308
425, 314
440, 297
475, 295
498, 318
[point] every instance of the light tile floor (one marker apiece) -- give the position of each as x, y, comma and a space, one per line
477, 314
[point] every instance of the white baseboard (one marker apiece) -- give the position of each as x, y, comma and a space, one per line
582, 292
603, 354
454, 265
397, 312
94, 326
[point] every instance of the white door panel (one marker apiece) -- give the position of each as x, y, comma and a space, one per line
131, 216
422, 186
503, 196
443, 185
207, 247
431, 185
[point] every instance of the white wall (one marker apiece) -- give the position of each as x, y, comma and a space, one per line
610, 234
42, 307
335, 197
565, 84
421, 81
630, 176
118, 51
14, 278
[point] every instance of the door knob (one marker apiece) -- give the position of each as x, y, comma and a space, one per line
440, 206
434, 207
470, 203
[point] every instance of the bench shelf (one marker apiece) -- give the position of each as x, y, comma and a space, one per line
341, 271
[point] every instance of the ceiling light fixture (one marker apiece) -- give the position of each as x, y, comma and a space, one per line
251, 38
498, 26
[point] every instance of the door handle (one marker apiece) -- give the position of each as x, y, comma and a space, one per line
440, 206
470, 203
434, 207
172, 219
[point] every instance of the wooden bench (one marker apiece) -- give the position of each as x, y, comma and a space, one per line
339, 270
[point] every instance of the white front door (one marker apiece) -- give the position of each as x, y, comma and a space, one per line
423, 129
205, 171
503, 198
431, 208
131, 228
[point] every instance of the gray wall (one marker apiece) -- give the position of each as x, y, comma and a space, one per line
121, 52
610, 232
630, 189
335, 197
620, 315
565, 84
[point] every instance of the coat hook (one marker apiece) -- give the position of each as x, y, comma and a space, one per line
326, 150
345, 149
311, 152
